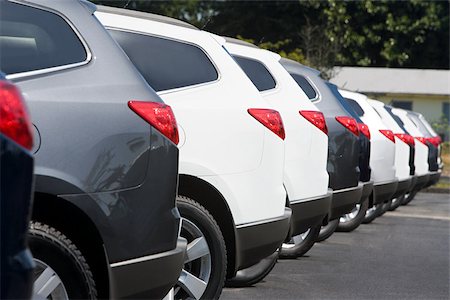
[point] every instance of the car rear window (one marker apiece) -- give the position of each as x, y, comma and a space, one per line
305, 86
166, 64
257, 73
356, 107
34, 39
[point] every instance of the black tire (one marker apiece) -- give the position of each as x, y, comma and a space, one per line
196, 214
301, 248
53, 248
396, 202
354, 222
385, 207
372, 213
409, 197
327, 231
254, 274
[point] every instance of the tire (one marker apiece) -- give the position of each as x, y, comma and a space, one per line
327, 231
207, 247
254, 274
351, 221
385, 207
396, 202
300, 244
372, 213
58, 259
409, 197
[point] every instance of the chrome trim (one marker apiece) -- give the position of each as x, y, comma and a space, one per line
57, 68
219, 74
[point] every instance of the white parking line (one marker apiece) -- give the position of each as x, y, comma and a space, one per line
399, 214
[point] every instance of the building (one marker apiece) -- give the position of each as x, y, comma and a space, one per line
424, 91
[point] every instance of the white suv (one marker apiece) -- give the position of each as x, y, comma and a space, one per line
305, 168
231, 194
382, 153
404, 150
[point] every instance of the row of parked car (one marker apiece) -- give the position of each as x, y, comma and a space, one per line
169, 161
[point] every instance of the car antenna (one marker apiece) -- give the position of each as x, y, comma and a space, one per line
126, 4
206, 23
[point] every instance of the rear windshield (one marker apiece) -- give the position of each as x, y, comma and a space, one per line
34, 39
356, 107
304, 84
166, 64
257, 73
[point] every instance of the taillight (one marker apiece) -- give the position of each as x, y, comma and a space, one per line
364, 129
422, 140
158, 115
269, 118
436, 140
405, 138
316, 118
14, 119
349, 123
389, 134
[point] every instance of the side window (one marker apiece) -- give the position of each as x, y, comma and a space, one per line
33, 39
356, 107
166, 64
402, 104
305, 86
257, 73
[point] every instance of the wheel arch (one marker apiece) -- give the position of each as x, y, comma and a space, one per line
211, 199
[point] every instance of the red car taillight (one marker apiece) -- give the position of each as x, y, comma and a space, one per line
316, 118
405, 138
158, 115
349, 123
422, 140
364, 129
389, 134
269, 118
14, 118
436, 140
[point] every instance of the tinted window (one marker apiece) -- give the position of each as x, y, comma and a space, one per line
446, 110
396, 118
33, 39
356, 107
257, 73
305, 86
166, 64
402, 104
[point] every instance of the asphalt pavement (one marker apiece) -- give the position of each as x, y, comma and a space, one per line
401, 255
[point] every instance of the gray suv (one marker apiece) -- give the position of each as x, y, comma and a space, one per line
104, 222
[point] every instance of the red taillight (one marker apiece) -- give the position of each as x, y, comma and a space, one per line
14, 119
158, 115
422, 140
349, 123
364, 129
389, 134
436, 140
269, 118
316, 118
405, 138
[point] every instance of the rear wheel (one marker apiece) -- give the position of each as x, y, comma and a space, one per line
385, 207
396, 202
254, 274
61, 270
300, 244
328, 230
204, 270
409, 197
352, 220
372, 213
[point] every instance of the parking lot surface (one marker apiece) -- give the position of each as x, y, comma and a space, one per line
401, 255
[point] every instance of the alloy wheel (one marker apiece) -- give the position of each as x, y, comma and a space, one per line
47, 283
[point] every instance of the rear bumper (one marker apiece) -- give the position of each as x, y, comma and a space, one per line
367, 190
310, 212
258, 240
384, 192
149, 277
402, 187
344, 200
434, 178
421, 181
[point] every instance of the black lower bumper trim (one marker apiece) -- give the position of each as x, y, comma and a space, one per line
255, 242
345, 200
383, 192
148, 277
434, 178
421, 182
309, 212
402, 187
367, 190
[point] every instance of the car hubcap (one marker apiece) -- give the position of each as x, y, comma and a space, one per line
196, 272
297, 240
371, 211
47, 284
351, 215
